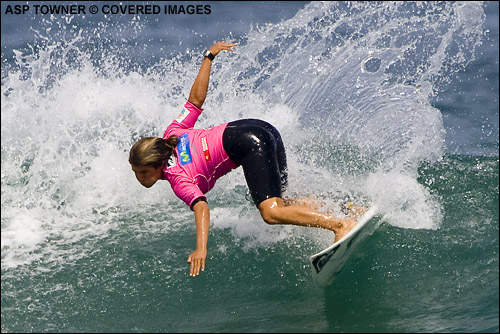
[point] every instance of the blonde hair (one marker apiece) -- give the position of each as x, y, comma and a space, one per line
152, 151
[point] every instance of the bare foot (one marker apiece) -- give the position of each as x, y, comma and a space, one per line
353, 211
347, 225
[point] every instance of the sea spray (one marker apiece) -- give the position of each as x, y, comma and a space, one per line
347, 84
360, 77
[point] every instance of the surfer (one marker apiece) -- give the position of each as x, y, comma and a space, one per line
193, 159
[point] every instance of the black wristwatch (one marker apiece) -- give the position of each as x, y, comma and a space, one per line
208, 54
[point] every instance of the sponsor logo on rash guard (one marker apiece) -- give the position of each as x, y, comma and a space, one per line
204, 146
182, 115
184, 151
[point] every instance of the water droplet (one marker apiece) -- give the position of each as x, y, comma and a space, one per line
371, 65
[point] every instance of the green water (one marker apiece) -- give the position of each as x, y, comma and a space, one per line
399, 280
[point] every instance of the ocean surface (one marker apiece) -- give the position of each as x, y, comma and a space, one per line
386, 103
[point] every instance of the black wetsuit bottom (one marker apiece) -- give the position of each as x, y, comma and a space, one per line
257, 147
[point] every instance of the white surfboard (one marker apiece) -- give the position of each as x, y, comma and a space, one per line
328, 263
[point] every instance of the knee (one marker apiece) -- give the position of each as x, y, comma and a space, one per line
270, 215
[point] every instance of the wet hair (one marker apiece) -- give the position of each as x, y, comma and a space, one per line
152, 151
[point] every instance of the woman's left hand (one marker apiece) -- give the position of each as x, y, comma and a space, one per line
197, 260
219, 46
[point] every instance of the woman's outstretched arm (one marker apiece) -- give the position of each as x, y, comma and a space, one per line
202, 218
200, 87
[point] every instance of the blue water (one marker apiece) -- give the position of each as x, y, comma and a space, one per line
394, 104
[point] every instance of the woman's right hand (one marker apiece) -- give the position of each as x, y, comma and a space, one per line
219, 46
197, 261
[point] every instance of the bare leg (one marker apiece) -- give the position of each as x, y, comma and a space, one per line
273, 211
310, 202
350, 210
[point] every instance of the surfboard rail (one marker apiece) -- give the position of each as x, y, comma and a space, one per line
327, 263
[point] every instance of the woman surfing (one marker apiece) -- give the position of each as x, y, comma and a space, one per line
191, 160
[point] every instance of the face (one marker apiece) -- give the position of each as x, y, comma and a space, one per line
147, 176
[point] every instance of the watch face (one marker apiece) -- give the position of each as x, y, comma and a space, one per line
209, 55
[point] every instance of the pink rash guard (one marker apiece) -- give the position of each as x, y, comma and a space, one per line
200, 156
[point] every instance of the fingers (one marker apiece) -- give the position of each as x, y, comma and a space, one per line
219, 46
197, 264
228, 46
